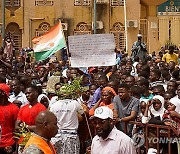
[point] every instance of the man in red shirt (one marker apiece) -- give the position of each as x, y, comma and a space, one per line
29, 112
8, 115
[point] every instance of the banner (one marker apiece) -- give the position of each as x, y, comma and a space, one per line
92, 50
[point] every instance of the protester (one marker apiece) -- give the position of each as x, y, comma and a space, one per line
170, 56
108, 138
46, 128
126, 106
139, 49
69, 113
8, 115
17, 93
29, 112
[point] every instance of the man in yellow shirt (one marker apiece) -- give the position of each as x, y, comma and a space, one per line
171, 56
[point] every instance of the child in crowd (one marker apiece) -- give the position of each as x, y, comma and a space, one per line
171, 115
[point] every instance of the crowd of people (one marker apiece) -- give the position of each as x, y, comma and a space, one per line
143, 88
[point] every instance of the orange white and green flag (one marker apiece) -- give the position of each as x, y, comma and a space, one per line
49, 43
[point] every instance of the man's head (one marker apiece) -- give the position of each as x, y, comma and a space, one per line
31, 93
158, 90
139, 36
103, 121
130, 81
171, 49
113, 84
172, 86
103, 81
123, 91
15, 86
3, 70
154, 75
143, 84
171, 65
46, 124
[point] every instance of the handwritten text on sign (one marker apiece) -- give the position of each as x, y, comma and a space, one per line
92, 50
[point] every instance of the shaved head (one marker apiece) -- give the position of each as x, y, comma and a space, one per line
44, 116
46, 124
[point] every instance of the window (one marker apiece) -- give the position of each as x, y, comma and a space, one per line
117, 2
15, 3
17, 41
82, 28
82, 2
118, 30
43, 28
143, 29
44, 3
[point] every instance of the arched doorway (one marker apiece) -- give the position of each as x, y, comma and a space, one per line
118, 30
16, 34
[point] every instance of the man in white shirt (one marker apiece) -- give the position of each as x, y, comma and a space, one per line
67, 112
109, 139
18, 96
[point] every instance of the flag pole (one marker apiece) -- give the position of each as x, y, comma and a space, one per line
125, 25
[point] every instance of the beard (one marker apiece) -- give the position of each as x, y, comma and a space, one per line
104, 133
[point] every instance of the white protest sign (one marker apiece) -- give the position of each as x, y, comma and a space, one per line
92, 50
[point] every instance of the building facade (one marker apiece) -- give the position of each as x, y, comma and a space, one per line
27, 19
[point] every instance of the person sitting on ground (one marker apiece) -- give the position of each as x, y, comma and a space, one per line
46, 128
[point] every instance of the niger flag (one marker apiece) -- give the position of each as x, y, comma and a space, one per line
49, 43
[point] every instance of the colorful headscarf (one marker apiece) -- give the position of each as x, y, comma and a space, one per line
110, 89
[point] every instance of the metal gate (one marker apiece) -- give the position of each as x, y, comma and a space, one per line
169, 31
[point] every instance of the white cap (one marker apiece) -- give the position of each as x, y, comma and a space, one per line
139, 35
103, 112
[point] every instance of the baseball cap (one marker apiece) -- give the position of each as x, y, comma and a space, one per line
4, 87
103, 112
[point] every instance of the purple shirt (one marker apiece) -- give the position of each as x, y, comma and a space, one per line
96, 97
116, 143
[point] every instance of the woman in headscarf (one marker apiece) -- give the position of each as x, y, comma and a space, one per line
107, 96
155, 107
171, 115
43, 99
